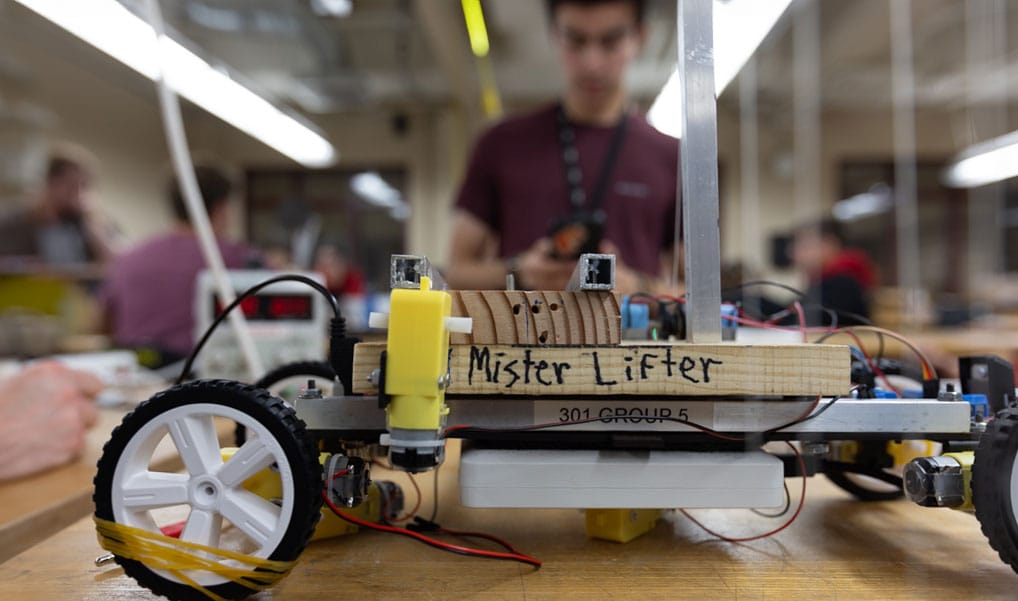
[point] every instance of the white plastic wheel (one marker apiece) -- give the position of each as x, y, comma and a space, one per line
210, 489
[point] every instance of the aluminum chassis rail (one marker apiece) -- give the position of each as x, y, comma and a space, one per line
848, 418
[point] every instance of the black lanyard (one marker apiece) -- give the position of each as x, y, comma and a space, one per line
573, 171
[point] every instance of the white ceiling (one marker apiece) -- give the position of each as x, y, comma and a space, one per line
414, 53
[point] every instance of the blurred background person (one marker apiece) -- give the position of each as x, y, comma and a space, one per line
342, 277
45, 411
277, 257
62, 226
839, 278
148, 296
586, 170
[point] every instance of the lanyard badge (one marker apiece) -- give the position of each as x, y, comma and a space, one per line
581, 231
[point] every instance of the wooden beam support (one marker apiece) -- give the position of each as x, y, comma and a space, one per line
646, 369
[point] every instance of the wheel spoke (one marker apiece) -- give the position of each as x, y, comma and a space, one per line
250, 459
149, 490
202, 527
196, 441
253, 515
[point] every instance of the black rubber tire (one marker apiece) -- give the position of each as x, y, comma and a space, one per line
860, 491
281, 421
991, 485
311, 369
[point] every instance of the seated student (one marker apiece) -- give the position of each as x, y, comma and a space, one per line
840, 278
148, 296
342, 277
45, 410
62, 226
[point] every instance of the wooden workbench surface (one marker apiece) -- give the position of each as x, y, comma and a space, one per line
838, 549
38, 506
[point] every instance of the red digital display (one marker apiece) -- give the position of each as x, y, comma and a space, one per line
273, 307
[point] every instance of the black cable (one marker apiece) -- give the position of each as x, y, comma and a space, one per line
679, 420
788, 505
236, 302
809, 417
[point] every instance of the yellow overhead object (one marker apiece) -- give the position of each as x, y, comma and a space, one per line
473, 15
477, 31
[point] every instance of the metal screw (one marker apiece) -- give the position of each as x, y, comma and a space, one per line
311, 392
443, 381
375, 377
103, 560
949, 394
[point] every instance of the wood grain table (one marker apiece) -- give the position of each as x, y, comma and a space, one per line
838, 549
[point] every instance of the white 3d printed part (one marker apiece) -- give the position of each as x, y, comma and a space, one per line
619, 479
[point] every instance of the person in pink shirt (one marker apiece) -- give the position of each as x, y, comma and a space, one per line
148, 296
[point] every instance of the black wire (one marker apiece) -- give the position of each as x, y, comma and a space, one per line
809, 417
550, 425
880, 349
701, 427
788, 505
252, 290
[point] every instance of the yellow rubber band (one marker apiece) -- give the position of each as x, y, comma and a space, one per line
160, 552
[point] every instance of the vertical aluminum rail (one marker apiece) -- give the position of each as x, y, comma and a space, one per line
699, 169
749, 167
906, 204
806, 106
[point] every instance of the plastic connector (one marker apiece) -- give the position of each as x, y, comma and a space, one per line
422, 525
341, 349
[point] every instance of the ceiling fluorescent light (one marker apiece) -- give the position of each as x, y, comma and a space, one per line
332, 8
370, 186
115, 30
666, 112
739, 28
878, 200
984, 163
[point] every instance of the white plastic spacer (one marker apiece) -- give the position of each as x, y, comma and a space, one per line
459, 325
378, 320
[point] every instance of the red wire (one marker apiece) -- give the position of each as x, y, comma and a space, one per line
516, 556
798, 510
483, 535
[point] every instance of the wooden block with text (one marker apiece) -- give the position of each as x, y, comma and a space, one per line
645, 369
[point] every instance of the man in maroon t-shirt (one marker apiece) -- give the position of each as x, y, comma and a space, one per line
517, 185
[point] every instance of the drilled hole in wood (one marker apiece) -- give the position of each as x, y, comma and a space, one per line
553, 306
535, 309
543, 337
516, 309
